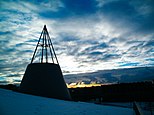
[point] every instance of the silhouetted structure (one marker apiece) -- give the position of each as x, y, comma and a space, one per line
41, 77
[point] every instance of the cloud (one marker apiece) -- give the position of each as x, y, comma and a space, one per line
130, 13
87, 35
113, 76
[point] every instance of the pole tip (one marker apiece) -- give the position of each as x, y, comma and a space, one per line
45, 27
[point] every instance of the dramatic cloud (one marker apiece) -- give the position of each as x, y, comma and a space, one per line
88, 35
112, 76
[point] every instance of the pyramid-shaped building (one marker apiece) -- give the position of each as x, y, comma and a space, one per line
43, 76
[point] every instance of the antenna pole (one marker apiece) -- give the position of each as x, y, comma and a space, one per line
53, 49
42, 47
36, 47
45, 44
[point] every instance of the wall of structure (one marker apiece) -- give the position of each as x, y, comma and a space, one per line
45, 79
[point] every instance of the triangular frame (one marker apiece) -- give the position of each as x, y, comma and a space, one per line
46, 46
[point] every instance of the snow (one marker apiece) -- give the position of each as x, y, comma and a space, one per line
13, 103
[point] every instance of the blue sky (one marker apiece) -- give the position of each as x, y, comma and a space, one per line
88, 35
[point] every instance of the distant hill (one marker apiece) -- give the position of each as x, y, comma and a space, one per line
113, 76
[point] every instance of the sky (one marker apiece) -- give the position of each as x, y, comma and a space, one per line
88, 35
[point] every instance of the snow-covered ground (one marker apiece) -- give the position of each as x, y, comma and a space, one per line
13, 103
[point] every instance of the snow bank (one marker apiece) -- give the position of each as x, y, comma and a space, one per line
13, 103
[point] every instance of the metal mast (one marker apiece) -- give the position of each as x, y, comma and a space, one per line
46, 48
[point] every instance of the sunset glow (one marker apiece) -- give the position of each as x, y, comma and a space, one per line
82, 85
